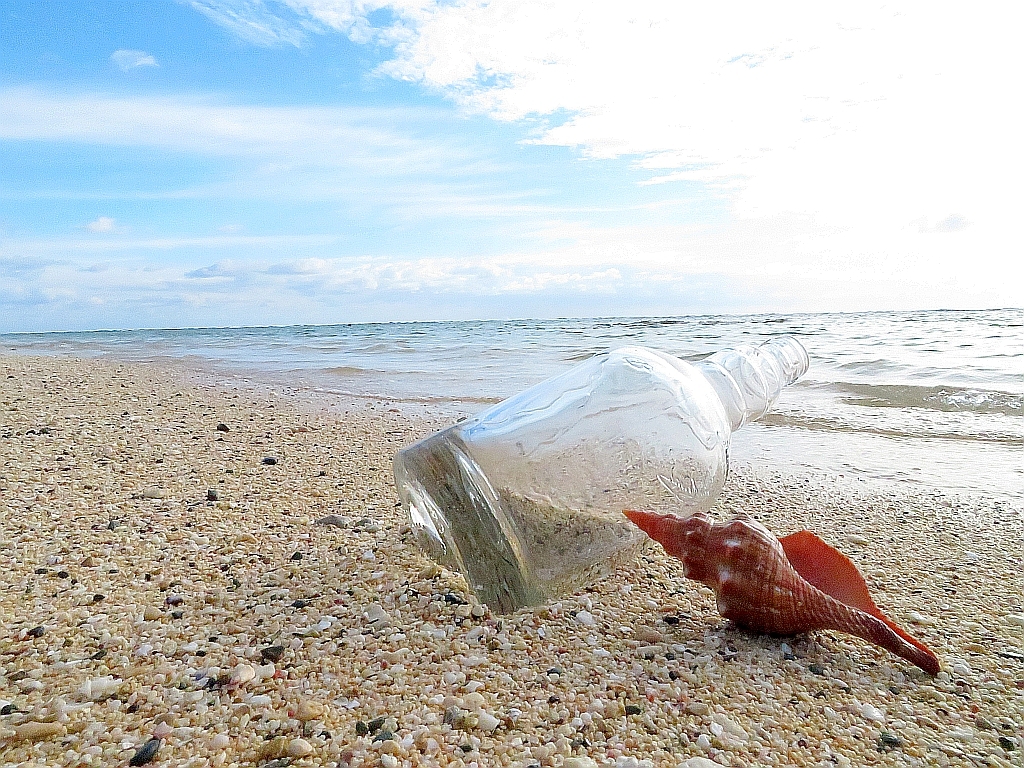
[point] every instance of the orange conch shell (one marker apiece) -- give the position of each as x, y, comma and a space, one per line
779, 586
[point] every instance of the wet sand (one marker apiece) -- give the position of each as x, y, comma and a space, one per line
163, 578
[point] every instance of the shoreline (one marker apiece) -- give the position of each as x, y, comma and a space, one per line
169, 603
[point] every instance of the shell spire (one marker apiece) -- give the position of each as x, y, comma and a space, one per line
779, 586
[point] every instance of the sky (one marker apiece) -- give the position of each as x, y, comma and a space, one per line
274, 162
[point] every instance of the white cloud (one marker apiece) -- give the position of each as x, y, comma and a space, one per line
864, 116
101, 224
356, 137
127, 59
251, 20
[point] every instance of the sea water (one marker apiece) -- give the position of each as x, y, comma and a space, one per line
933, 400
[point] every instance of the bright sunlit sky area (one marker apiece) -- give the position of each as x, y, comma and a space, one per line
262, 162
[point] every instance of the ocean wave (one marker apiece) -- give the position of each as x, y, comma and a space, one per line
936, 398
841, 423
350, 370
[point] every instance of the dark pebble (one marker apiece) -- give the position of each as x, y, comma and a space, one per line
269, 460
177, 614
146, 752
99, 654
336, 520
453, 599
174, 600
98, 598
670, 619
223, 428
467, 748
300, 603
384, 736
41, 571
36, 632
63, 575
1006, 743
361, 729
555, 671
211, 495
297, 556
633, 709
272, 653
375, 725
888, 741
14, 677
816, 669
8, 709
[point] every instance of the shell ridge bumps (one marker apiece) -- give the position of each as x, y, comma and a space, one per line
758, 587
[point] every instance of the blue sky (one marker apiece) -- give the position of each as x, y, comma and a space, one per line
227, 162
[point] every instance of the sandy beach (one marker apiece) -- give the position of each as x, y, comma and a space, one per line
168, 573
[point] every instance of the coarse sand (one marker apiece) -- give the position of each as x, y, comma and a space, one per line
201, 576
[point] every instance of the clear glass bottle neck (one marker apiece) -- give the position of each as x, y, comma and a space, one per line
749, 379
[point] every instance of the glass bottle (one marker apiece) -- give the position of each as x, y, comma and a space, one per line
526, 498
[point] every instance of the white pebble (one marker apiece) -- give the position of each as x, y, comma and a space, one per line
586, 618
856, 538
376, 613
100, 687
920, 618
962, 668
242, 674
389, 761
162, 731
261, 700
869, 712
299, 748
487, 721
699, 762
704, 742
220, 741
1016, 618
579, 762
153, 492
731, 726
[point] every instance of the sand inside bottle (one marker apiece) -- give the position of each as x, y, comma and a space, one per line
568, 549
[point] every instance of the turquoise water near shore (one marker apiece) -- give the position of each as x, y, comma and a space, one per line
934, 399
